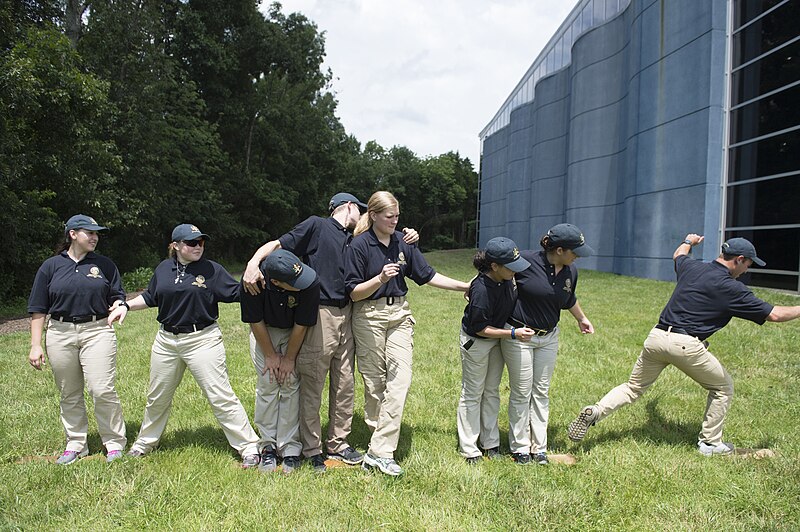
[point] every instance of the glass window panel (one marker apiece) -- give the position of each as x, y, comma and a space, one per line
774, 155
586, 15
577, 27
746, 10
768, 280
779, 248
599, 11
779, 68
770, 202
612, 8
766, 33
767, 115
551, 62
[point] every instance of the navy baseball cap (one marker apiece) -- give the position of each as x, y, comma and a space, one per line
568, 236
81, 221
742, 246
187, 232
283, 265
504, 251
343, 197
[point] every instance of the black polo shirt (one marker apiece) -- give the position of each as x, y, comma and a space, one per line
707, 297
192, 298
322, 243
541, 293
65, 287
279, 308
367, 256
490, 303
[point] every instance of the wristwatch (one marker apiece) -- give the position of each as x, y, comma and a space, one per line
687, 241
124, 303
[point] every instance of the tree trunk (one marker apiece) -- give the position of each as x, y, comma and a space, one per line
73, 19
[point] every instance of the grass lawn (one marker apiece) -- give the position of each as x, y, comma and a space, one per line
636, 470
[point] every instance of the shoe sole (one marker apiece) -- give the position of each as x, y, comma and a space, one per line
577, 430
369, 467
342, 459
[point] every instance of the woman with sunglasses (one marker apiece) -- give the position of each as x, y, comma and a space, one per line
187, 290
77, 288
543, 289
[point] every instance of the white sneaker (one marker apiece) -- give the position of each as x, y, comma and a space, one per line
386, 466
578, 428
706, 449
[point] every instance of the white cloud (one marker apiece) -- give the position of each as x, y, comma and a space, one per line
428, 75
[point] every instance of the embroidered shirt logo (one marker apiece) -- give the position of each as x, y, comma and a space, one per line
200, 281
94, 273
401, 258
291, 302
568, 285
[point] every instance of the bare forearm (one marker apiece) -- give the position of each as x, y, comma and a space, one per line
685, 248
295, 341
263, 252
447, 283
780, 314
37, 328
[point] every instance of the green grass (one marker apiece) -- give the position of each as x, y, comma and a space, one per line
637, 470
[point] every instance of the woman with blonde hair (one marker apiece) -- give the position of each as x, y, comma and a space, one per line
376, 265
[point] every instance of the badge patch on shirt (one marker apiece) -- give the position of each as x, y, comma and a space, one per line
94, 273
200, 281
291, 301
401, 258
568, 285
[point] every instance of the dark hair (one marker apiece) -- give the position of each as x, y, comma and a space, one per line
481, 263
729, 256
547, 244
64, 244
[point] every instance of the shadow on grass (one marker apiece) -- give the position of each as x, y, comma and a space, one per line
360, 436
657, 429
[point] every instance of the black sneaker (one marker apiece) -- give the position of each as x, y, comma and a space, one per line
540, 458
290, 463
348, 456
474, 460
269, 459
318, 463
493, 453
521, 458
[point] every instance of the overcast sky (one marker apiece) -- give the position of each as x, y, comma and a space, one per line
428, 74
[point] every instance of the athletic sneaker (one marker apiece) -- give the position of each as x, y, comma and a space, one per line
250, 460
290, 463
70, 457
540, 458
493, 453
268, 461
386, 466
706, 449
521, 458
113, 455
318, 463
135, 453
348, 456
578, 428
474, 460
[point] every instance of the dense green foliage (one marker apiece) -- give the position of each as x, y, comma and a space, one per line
636, 470
149, 114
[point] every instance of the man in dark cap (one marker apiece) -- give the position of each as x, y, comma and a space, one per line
321, 243
706, 297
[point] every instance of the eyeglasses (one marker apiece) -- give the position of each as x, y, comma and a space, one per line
194, 243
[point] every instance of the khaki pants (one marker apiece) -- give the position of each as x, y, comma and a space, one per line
530, 367
384, 336
86, 353
479, 405
688, 354
277, 414
204, 354
331, 349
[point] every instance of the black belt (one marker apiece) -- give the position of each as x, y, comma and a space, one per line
391, 300
536, 332
670, 328
182, 329
338, 303
78, 319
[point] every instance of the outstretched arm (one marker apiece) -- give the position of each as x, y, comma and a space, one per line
684, 248
780, 314
447, 283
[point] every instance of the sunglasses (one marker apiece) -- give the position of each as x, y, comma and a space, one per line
194, 243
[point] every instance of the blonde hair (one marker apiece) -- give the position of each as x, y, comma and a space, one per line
378, 202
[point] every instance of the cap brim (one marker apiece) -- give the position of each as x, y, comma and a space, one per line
583, 251
306, 278
758, 261
361, 206
89, 227
518, 265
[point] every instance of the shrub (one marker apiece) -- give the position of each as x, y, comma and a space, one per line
137, 279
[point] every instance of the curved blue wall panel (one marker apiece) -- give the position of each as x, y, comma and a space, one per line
625, 142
